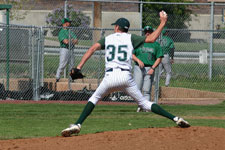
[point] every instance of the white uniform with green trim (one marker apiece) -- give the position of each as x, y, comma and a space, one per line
118, 77
118, 52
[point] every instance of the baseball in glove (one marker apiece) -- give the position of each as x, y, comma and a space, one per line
76, 74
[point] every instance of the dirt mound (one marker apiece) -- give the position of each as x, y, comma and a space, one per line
173, 138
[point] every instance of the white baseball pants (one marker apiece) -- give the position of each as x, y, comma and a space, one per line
66, 57
166, 65
143, 80
118, 80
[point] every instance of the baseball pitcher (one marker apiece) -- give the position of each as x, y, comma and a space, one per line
118, 48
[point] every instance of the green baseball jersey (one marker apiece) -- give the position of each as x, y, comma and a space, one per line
64, 34
148, 53
167, 44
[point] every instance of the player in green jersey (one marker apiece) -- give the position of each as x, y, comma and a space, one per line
67, 40
147, 57
167, 45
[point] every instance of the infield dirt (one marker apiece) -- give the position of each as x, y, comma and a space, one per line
173, 138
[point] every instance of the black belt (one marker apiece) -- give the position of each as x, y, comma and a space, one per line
111, 69
144, 65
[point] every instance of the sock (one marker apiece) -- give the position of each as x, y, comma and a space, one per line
86, 112
160, 111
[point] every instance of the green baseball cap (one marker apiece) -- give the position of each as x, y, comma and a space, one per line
123, 23
148, 28
64, 20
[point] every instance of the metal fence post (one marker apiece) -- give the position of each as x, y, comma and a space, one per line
211, 41
70, 59
42, 57
36, 81
7, 50
141, 12
33, 62
65, 9
157, 78
65, 16
41, 62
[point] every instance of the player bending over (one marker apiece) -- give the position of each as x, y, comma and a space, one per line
118, 57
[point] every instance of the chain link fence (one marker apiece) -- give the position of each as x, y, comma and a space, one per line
20, 57
197, 31
199, 61
93, 70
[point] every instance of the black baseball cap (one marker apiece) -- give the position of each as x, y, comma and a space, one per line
123, 23
64, 20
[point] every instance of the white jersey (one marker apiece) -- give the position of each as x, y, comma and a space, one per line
118, 51
118, 58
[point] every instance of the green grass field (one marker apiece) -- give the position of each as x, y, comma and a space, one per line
45, 120
186, 47
204, 85
180, 46
81, 42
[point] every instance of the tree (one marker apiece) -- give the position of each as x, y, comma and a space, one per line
17, 5
78, 18
178, 16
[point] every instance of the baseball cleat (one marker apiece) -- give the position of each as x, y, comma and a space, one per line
73, 129
139, 109
181, 122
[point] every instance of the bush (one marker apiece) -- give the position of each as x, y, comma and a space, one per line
178, 18
78, 18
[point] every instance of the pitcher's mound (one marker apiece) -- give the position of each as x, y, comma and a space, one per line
173, 138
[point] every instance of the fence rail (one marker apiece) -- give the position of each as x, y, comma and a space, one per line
81, 50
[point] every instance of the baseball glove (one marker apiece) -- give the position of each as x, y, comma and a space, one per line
76, 74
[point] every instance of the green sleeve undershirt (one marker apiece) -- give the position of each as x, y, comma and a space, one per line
102, 43
135, 39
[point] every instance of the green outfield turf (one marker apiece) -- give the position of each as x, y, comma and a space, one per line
194, 47
41, 120
180, 46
